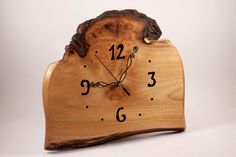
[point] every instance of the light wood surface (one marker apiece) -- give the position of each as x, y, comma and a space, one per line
155, 101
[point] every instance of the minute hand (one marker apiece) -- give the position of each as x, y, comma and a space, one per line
118, 82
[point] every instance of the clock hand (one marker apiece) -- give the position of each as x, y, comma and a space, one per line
126, 91
128, 64
118, 82
106, 68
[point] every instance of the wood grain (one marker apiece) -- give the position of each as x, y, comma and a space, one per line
74, 120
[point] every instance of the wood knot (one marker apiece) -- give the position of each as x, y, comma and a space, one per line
116, 92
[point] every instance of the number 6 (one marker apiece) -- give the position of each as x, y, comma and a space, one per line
118, 117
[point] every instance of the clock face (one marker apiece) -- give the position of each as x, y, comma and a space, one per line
113, 82
119, 86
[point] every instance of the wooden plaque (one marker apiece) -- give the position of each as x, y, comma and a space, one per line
116, 79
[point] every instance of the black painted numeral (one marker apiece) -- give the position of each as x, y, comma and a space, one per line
118, 118
112, 52
112, 49
121, 47
82, 84
152, 78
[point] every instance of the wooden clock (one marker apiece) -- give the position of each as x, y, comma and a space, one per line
116, 79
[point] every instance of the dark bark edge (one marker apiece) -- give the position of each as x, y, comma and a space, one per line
79, 45
101, 140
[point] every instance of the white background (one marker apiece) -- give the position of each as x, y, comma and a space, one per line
34, 34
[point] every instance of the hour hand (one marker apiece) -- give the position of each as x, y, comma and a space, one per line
126, 91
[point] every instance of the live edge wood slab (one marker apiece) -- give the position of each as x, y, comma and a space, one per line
115, 79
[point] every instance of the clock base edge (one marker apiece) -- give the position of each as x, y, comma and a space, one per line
81, 143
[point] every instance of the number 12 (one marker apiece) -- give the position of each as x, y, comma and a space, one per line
112, 49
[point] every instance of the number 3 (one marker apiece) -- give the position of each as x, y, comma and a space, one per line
153, 79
